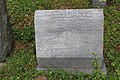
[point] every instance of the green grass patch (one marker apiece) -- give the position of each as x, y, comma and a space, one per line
20, 66
26, 35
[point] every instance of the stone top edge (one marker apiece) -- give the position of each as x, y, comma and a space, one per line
99, 10
70, 57
48, 13
67, 9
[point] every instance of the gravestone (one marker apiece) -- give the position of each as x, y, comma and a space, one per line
5, 32
99, 3
66, 39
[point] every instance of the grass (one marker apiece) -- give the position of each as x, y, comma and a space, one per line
21, 64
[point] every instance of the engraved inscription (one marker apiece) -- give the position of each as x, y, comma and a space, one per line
70, 14
63, 33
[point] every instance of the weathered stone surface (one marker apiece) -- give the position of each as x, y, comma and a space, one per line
67, 38
2, 64
99, 3
5, 31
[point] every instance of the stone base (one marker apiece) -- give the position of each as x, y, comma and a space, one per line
82, 65
88, 71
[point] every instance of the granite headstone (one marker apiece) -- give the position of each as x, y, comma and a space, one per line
66, 39
6, 41
99, 3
